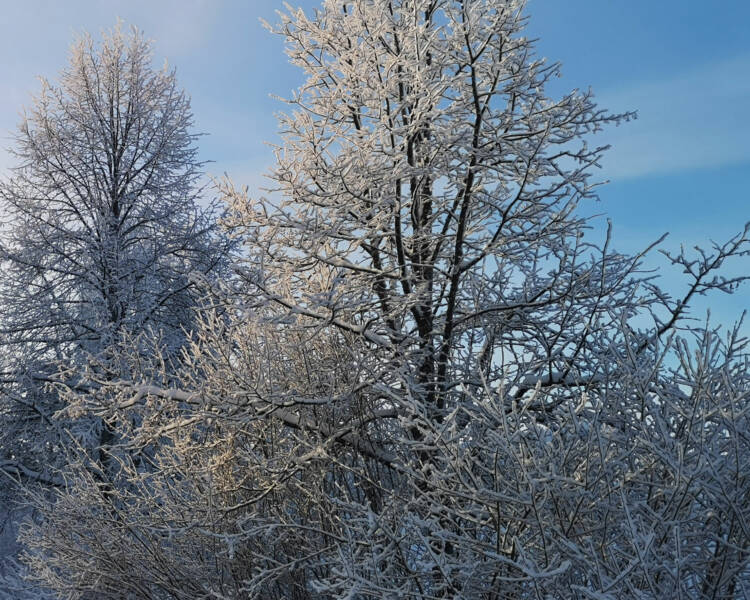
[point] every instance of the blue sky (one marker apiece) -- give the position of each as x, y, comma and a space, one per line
682, 167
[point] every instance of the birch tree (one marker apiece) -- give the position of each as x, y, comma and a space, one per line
436, 381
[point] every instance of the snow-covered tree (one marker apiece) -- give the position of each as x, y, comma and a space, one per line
435, 382
105, 234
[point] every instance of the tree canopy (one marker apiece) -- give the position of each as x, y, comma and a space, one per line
105, 236
425, 377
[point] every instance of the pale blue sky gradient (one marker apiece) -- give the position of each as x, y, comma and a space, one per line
682, 167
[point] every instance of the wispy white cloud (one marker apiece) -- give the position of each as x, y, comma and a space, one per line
692, 120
